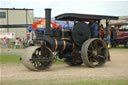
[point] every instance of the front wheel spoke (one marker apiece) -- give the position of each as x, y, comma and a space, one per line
40, 64
35, 64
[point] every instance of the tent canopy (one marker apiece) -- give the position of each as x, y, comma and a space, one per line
41, 26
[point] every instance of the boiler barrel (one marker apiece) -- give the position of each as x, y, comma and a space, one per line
63, 45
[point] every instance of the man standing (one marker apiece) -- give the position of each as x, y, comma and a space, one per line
94, 29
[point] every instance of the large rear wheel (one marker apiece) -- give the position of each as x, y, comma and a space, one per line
94, 52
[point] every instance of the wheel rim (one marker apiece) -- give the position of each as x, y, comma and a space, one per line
95, 52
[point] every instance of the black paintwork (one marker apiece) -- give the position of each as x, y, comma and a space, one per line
48, 20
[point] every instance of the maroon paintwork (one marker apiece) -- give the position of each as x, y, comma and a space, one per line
122, 36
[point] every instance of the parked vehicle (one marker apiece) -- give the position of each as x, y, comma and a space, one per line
119, 34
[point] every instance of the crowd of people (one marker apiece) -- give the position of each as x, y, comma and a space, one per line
17, 43
98, 31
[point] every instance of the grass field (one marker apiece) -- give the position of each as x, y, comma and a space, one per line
7, 59
15, 59
12, 56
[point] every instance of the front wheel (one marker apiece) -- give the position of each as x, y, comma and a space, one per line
33, 60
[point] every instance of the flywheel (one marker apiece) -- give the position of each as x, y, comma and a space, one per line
80, 33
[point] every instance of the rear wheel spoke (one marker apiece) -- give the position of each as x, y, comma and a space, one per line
90, 52
95, 45
100, 56
92, 47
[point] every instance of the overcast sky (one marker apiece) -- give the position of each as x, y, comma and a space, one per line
102, 7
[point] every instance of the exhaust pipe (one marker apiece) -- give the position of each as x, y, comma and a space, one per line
47, 20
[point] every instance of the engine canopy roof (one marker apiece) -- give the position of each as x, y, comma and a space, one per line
83, 17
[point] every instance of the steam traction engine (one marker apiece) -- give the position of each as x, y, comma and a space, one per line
74, 46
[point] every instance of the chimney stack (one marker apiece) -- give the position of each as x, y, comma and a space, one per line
47, 20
